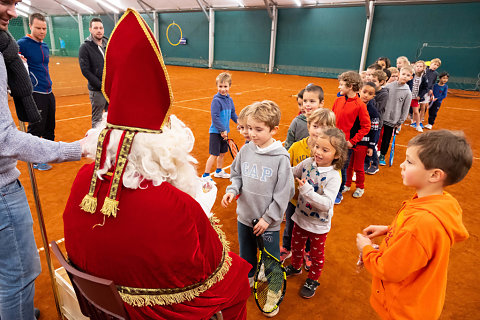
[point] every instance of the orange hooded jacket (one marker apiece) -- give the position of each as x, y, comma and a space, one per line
410, 267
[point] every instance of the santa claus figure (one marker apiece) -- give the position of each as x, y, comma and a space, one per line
131, 216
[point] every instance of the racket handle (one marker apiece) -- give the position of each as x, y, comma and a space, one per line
254, 222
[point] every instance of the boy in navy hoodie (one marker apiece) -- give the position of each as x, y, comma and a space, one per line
222, 110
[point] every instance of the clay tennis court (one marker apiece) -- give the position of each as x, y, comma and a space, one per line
343, 293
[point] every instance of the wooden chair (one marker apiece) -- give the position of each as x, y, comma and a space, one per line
98, 298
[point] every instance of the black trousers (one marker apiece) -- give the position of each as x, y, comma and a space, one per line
432, 112
386, 138
45, 128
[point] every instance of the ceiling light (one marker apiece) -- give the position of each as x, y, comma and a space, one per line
240, 3
21, 13
23, 7
81, 5
108, 6
298, 3
117, 4
27, 2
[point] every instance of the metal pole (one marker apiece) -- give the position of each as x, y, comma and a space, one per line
211, 37
155, 26
43, 231
273, 39
52, 37
80, 28
366, 38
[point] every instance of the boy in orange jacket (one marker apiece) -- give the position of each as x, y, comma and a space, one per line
410, 268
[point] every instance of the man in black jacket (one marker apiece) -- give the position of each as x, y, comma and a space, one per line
91, 56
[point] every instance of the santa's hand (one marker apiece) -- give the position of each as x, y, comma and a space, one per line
227, 199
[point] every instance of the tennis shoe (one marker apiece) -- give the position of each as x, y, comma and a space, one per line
308, 261
291, 271
381, 160
222, 174
284, 254
261, 274
309, 288
250, 281
421, 125
419, 129
345, 189
42, 166
358, 193
413, 125
271, 314
372, 169
272, 300
339, 198
428, 126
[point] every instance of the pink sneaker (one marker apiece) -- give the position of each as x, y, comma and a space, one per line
284, 254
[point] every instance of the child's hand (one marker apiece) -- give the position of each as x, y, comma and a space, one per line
260, 227
373, 231
301, 183
227, 199
370, 152
350, 145
224, 135
362, 241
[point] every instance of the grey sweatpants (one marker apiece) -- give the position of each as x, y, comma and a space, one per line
99, 104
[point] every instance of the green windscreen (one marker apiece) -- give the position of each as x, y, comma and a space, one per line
242, 40
320, 42
190, 25
450, 32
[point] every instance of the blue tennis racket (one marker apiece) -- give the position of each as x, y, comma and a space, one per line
392, 149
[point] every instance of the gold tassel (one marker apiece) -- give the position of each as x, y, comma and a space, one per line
110, 207
89, 203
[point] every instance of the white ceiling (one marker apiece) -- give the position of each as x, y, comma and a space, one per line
54, 7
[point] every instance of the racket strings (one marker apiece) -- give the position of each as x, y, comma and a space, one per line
269, 285
233, 148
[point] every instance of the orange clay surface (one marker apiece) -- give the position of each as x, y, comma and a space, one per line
343, 293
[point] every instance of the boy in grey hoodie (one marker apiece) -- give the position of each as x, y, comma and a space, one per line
262, 175
396, 109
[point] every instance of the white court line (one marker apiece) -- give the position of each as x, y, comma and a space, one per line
195, 109
463, 109
73, 105
404, 146
210, 97
74, 118
58, 242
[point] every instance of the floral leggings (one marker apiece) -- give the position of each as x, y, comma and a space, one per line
317, 250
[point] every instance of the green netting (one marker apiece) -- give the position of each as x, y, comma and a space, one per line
18, 27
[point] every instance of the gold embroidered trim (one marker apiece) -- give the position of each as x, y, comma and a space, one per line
89, 202
140, 297
135, 129
156, 49
110, 205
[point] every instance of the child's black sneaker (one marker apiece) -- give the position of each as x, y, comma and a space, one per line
290, 270
308, 289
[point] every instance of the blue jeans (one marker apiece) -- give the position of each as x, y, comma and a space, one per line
344, 173
19, 259
248, 245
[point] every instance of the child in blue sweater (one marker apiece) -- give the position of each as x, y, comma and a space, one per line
222, 110
439, 93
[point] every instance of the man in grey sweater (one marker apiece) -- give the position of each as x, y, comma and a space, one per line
19, 259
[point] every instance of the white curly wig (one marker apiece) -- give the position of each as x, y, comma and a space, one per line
155, 157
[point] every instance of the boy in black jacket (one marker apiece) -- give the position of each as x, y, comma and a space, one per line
419, 87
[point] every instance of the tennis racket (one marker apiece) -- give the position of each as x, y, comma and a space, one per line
232, 147
392, 149
270, 280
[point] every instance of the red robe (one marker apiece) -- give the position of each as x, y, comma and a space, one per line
161, 238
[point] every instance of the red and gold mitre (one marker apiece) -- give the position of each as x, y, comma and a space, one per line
137, 87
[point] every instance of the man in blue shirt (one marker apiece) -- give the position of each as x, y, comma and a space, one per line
37, 54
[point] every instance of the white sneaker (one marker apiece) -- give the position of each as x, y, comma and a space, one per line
419, 129
345, 189
428, 126
272, 314
221, 174
250, 281
358, 193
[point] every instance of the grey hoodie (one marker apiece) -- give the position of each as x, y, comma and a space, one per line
264, 180
297, 131
398, 104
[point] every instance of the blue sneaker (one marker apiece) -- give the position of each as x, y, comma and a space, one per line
381, 160
339, 198
413, 125
42, 166
421, 125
